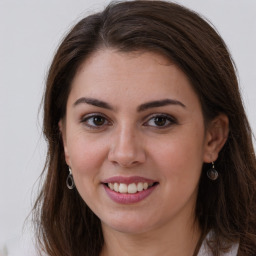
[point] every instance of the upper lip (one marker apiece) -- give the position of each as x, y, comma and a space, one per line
128, 180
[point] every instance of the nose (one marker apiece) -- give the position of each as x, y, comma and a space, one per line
127, 148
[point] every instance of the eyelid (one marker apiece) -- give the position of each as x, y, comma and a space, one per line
86, 117
169, 117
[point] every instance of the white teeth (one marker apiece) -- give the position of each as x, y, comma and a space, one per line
116, 187
123, 188
111, 186
130, 189
140, 186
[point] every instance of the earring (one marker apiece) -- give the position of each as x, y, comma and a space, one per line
212, 173
70, 181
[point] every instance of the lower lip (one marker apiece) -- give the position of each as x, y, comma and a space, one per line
128, 198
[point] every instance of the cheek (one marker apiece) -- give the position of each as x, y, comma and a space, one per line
87, 157
86, 154
181, 155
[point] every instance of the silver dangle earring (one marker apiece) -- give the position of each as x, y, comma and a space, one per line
70, 181
212, 173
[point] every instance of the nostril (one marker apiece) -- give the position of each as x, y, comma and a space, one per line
126, 153
125, 164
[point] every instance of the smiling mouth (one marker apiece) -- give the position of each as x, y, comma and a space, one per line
131, 188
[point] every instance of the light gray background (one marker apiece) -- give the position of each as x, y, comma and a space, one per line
30, 31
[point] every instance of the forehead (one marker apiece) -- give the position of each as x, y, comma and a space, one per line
106, 61
114, 75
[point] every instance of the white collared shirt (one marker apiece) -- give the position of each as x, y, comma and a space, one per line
206, 251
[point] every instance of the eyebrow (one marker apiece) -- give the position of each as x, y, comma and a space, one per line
142, 107
159, 103
94, 102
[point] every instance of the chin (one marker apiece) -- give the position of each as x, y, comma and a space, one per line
127, 224
130, 229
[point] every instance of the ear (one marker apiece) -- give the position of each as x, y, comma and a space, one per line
216, 136
62, 129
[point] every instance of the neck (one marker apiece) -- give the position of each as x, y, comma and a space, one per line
178, 240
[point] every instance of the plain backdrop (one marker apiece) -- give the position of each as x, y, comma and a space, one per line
30, 31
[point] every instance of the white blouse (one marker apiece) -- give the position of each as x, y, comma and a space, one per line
206, 251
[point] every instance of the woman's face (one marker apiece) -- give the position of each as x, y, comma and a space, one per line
135, 140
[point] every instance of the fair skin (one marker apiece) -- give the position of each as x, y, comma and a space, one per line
134, 118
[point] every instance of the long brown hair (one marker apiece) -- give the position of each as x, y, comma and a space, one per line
64, 223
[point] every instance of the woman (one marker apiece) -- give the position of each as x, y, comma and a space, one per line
149, 148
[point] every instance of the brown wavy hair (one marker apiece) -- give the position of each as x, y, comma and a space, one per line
64, 224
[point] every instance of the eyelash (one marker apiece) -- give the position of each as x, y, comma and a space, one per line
166, 118
91, 117
170, 120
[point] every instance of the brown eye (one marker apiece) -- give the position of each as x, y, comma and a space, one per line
95, 121
98, 120
160, 120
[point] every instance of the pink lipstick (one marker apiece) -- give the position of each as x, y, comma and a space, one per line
129, 190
